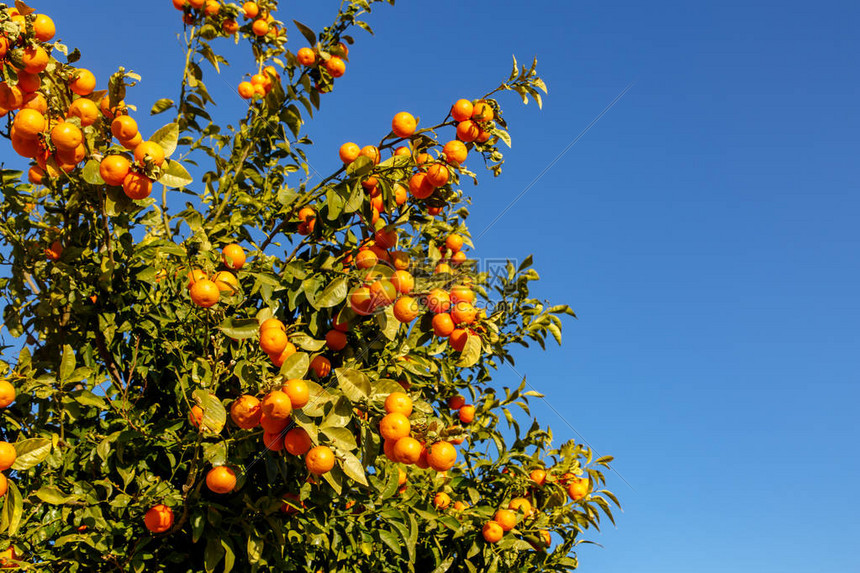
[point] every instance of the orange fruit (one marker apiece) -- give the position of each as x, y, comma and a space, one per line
273, 441
442, 500
419, 186
335, 340
400, 260
366, 259
443, 269
11, 97
482, 111
441, 456
114, 169
4, 485
467, 414
277, 405
297, 441
521, 504
297, 390
348, 152
438, 301
212, 8
246, 412
371, 152
443, 326
321, 366
386, 237
306, 57
454, 242
107, 111
403, 282
43, 28
84, 109
7, 455
124, 127
260, 27
437, 175
461, 293
66, 136
29, 123
394, 426
492, 532
407, 450
35, 175
398, 402
272, 323
28, 82
538, 476
246, 90
279, 359
71, 157
360, 299
195, 416
250, 9
403, 124
402, 151
55, 251
506, 519
468, 131
456, 402
149, 149
461, 110
463, 313
35, 59
204, 293
387, 448
230, 26
460, 505
335, 66
36, 102
458, 258
578, 488
273, 341
226, 281
7, 393
195, 275
382, 292
137, 186
221, 479
273, 425
233, 256
319, 460
262, 80
406, 309
83, 82
159, 518
402, 476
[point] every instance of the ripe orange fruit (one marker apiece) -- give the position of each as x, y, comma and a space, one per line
124, 127
273, 441
400, 260
11, 97
366, 259
151, 150
437, 175
84, 109
461, 293
521, 504
230, 26
66, 136
335, 66
454, 242
212, 8
403, 124
246, 412
113, 169
159, 518
4, 485
394, 426
492, 532
35, 59
456, 402
398, 402
419, 186
463, 313
260, 27
36, 102
297, 442
83, 82
443, 326
55, 251
461, 110
35, 175
371, 152
441, 456
204, 293
406, 309
467, 414
194, 276
195, 416
43, 28
277, 405
506, 519
251, 9
226, 281
137, 186
403, 282
297, 390
386, 237
29, 123
407, 450
273, 341
482, 111
442, 500
468, 131
272, 323
348, 152
221, 479
321, 366
306, 57
402, 476
460, 505
279, 359
382, 292
578, 488
438, 301
538, 476
361, 300
273, 425
387, 448
443, 269
7, 455
246, 90
402, 151
335, 340
319, 460
7, 393
233, 256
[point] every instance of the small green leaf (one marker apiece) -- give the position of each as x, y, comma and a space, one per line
91, 174
175, 175
161, 106
354, 384
54, 496
167, 137
214, 414
240, 328
68, 362
352, 467
471, 352
309, 34
295, 366
31, 452
334, 293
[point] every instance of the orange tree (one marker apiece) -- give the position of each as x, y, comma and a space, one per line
278, 373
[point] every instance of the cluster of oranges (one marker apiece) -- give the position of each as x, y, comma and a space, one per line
205, 291
7, 450
399, 445
334, 61
260, 83
223, 16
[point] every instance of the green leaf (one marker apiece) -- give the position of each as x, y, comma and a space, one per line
31, 452
305, 342
295, 366
54, 496
13, 509
309, 34
167, 137
352, 467
215, 454
214, 414
240, 328
67, 364
213, 554
90, 173
354, 384
175, 175
471, 352
340, 437
361, 166
503, 135
161, 106
334, 293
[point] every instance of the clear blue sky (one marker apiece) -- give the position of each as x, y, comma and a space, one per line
705, 230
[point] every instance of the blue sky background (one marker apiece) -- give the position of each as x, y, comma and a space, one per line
705, 230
